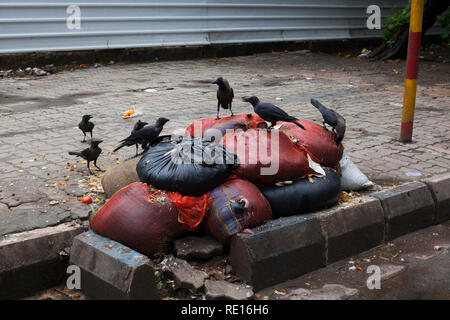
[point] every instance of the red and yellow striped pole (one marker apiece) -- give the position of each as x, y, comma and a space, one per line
412, 66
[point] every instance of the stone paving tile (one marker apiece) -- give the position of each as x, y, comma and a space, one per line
39, 116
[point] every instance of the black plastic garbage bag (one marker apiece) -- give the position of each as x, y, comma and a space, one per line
302, 196
190, 166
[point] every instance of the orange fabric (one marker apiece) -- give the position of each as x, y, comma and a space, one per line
191, 210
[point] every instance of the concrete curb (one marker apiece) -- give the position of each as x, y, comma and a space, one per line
407, 208
352, 229
277, 252
282, 249
440, 190
32, 260
110, 270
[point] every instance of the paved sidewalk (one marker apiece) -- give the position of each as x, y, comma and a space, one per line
39, 118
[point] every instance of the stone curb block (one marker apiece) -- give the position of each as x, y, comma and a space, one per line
440, 190
407, 208
283, 249
110, 270
352, 229
31, 261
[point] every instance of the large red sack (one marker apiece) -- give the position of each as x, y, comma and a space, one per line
140, 217
266, 157
207, 127
221, 222
318, 142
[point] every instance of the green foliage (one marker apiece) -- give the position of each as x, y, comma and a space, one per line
444, 21
395, 22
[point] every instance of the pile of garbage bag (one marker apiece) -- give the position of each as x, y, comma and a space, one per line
223, 177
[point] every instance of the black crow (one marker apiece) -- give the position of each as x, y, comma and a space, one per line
138, 126
90, 154
270, 112
145, 136
331, 118
86, 126
225, 95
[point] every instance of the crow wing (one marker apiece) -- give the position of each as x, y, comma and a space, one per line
272, 112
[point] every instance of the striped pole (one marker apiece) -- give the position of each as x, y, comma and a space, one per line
412, 66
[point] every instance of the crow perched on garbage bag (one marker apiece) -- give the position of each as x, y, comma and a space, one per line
144, 136
270, 112
86, 126
225, 95
90, 154
138, 126
331, 118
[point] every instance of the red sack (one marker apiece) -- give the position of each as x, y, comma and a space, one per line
256, 163
207, 127
191, 210
221, 222
318, 142
140, 217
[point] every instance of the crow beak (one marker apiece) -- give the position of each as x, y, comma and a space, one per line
245, 99
214, 82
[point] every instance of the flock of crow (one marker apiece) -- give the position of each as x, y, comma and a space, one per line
146, 135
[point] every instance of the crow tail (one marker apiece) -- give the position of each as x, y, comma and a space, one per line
78, 154
119, 147
299, 125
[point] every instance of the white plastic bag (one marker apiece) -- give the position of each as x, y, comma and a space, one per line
352, 178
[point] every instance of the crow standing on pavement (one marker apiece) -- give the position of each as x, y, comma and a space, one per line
138, 126
270, 112
90, 154
86, 126
145, 136
331, 118
225, 95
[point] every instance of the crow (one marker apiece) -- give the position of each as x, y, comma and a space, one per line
225, 95
86, 126
270, 112
90, 154
144, 136
333, 119
138, 126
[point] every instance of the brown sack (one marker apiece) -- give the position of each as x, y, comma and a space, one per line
120, 176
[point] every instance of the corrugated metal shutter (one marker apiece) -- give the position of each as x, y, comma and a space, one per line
33, 25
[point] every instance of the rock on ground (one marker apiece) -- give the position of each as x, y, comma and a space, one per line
227, 290
183, 274
327, 292
190, 247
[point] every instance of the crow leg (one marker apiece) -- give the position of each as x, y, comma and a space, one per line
231, 111
89, 169
218, 108
98, 168
84, 138
137, 148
